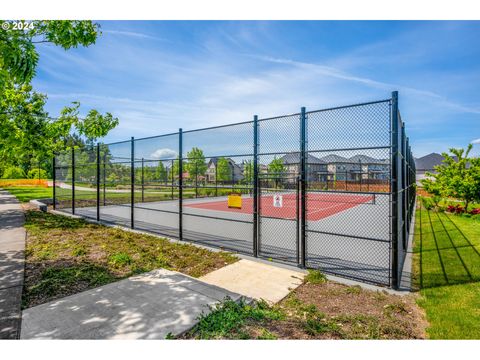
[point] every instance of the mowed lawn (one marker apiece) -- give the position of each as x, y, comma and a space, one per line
447, 270
27, 193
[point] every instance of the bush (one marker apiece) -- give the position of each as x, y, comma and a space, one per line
427, 203
14, 172
37, 174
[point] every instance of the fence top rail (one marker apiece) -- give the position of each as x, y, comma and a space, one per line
219, 126
350, 106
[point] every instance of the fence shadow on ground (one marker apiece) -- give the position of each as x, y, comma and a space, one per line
444, 254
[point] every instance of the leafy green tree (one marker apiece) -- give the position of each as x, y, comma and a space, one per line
26, 131
248, 172
224, 171
37, 173
435, 189
458, 176
161, 172
173, 174
14, 172
276, 170
196, 164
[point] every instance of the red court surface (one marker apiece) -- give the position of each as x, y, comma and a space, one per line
319, 206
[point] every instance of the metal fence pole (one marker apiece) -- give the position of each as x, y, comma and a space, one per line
54, 175
404, 190
255, 187
132, 181
394, 190
172, 175
104, 179
196, 178
180, 184
73, 181
143, 181
98, 182
303, 183
216, 178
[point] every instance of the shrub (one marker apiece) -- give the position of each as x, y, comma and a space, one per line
37, 174
456, 209
315, 277
475, 211
427, 203
14, 172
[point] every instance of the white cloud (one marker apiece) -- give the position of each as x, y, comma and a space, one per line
162, 154
132, 34
476, 141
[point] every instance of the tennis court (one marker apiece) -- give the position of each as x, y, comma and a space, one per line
319, 205
329, 189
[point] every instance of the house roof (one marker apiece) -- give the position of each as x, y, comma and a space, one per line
332, 158
294, 158
428, 162
214, 161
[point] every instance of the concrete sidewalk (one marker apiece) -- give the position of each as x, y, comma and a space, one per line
148, 306
12, 262
256, 279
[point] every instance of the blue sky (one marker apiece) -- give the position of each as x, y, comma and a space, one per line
161, 75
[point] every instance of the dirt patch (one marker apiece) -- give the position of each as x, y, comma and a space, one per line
318, 309
334, 311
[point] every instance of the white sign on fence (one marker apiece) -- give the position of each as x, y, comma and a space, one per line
277, 201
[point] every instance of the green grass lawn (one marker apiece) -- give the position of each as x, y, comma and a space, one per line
27, 193
447, 271
65, 256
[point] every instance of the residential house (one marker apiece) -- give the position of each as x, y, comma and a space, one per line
236, 170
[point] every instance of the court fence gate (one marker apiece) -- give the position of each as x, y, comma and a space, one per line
330, 189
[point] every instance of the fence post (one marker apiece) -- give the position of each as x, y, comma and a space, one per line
73, 181
98, 182
54, 175
143, 182
216, 181
394, 190
404, 190
255, 187
303, 183
196, 178
104, 179
172, 175
180, 184
132, 181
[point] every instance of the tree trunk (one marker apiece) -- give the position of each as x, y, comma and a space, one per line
466, 207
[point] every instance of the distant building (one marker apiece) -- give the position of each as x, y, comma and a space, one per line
315, 166
426, 164
235, 169
334, 167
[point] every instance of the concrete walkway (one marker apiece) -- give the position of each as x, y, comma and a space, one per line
256, 280
12, 262
148, 306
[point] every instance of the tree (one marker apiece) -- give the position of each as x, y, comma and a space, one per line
276, 170
458, 177
196, 164
14, 172
248, 172
174, 169
161, 172
224, 171
27, 132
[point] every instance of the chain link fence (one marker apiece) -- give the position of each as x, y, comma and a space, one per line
331, 189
